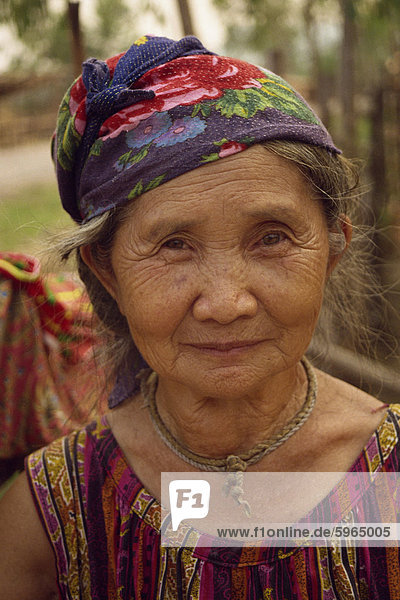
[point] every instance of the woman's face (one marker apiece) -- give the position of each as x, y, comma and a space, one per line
221, 273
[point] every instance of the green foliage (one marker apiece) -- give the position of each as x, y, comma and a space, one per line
140, 188
246, 103
274, 93
153, 7
136, 158
55, 44
23, 14
123, 160
44, 33
257, 25
241, 103
221, 142
128, 159
110, 30
44, 30
110, 16
387, 8
378, 40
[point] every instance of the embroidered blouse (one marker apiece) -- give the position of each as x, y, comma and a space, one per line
104, 528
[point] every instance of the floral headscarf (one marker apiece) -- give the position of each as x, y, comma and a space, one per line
157, 111
161, 109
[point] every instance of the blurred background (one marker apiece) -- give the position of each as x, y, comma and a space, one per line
342, 55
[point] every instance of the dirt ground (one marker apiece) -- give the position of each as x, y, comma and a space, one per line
24, 165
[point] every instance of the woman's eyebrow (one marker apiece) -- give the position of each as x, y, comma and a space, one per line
277, 213
167, 226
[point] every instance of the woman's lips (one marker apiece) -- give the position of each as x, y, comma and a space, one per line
226, 348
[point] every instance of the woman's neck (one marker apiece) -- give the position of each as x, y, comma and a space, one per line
215, 427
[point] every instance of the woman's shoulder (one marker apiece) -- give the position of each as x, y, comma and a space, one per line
78, 468
27, 567
383, 450
79, 458
45, 513
63, 452
351, 422
352, 405
84, 489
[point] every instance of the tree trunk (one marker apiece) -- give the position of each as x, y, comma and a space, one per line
378, 163
396, 93
321, 80
77, 54
277, 60
186, 17
347, 76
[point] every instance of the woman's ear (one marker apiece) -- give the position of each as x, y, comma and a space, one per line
339, 241
105, 276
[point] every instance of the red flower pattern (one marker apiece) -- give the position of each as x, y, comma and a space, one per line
231, 148
77, 105
184, 81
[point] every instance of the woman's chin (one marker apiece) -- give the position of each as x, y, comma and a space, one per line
227, 382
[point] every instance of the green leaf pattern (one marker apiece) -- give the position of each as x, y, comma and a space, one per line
204, 108
140, 188
210, 157
273, 93
95, 150
242, 103
136, 191
284, 98
128, 159
68, 139
154, 182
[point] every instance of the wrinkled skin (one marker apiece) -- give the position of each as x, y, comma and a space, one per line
235, 252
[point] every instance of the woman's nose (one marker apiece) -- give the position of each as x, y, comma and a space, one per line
225, 298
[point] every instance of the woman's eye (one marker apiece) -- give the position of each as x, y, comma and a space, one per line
174, 244
273, 238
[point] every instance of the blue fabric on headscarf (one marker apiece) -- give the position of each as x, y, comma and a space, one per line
106, 96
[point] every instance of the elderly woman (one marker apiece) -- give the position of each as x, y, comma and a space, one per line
210, 274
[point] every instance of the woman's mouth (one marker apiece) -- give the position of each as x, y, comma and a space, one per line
226, 347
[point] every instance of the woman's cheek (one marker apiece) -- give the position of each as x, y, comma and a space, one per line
291, 293
157, 300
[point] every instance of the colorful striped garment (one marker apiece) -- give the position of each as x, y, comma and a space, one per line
46, 356
104, 528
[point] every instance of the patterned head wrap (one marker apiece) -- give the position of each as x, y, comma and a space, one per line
161, 109
157, 111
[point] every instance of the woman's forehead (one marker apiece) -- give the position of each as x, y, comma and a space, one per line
255, 183
247, 167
